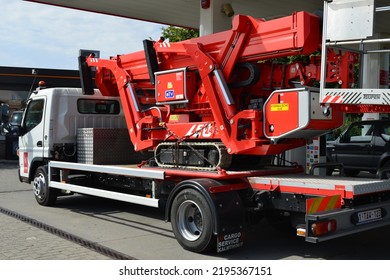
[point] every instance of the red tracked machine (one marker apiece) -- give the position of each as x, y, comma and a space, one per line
203, 103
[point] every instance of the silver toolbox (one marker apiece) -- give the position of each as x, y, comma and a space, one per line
106, 146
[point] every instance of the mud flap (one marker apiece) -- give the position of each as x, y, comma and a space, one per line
230, 225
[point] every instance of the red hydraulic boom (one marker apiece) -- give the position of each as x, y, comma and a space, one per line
199, 102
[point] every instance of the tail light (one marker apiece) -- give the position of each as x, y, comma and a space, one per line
323, 227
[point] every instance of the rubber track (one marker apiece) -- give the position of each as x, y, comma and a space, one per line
225, 158
68, 236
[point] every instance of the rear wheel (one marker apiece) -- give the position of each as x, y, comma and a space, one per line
192, 222
43, 194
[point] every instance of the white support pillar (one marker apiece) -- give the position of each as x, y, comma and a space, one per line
213, 19
370, 73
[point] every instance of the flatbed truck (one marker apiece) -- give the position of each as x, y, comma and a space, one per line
191, 127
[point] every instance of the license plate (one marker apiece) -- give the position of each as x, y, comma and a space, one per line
369, 216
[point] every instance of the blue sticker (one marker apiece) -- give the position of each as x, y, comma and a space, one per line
169, 94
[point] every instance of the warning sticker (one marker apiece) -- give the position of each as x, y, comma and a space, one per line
279, 107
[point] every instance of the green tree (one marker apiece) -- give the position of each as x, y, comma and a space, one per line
177, 34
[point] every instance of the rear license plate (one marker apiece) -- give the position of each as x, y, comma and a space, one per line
369, 216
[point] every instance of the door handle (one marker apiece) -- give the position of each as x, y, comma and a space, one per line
39, 144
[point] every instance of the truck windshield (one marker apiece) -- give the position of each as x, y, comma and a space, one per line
33, 114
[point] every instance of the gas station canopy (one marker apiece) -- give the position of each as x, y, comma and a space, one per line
184, 13
193, 13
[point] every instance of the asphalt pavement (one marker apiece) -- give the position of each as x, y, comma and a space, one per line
22, 241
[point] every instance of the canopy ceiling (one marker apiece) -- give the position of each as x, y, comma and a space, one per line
186, 13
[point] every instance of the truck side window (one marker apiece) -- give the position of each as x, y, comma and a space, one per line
33, 115
95, 106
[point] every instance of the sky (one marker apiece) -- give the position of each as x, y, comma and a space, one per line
42, 36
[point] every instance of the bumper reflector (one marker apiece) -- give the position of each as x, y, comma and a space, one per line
301, 232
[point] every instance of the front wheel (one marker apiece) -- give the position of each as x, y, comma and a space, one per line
43, 194
192, 222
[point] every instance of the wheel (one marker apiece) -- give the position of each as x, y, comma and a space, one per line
43, 194
384, 171
192, 223
351, 172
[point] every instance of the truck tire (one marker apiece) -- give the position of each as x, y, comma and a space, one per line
192, 222
43, 194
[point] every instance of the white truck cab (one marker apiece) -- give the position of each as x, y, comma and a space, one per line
49, 127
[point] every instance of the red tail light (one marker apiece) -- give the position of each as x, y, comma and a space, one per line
323, 227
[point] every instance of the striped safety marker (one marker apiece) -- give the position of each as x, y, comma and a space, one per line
321, 204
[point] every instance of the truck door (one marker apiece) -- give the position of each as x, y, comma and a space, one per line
31, 141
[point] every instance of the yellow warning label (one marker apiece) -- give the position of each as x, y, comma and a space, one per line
174, 117
279, 107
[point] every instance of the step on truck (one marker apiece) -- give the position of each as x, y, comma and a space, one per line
193, 128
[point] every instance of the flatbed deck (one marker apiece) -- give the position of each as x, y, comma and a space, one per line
319, 185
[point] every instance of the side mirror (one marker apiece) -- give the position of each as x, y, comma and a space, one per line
4, 129
9, 129
344, 138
